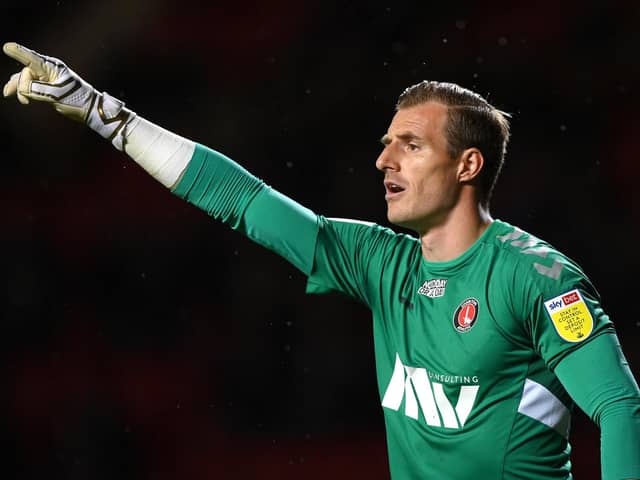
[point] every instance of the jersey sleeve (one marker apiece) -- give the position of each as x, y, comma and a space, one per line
598, 378
229, 193
346, 256
562, 307
354, 258
576, 338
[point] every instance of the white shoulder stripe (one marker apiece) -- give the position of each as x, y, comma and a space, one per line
540, 404
349, 220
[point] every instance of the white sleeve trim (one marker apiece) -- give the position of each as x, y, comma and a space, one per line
540, 404
350, 220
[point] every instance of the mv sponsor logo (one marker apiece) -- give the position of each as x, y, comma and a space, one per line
413, 385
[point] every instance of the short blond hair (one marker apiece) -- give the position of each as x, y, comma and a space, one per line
471, 122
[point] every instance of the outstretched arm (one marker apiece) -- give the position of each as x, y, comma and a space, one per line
202, 176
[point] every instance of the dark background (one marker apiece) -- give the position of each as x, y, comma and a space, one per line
143, 340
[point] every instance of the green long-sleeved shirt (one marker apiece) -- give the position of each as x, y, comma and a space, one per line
480, 359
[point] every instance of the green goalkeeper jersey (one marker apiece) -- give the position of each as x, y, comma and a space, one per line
468, 352
465, 349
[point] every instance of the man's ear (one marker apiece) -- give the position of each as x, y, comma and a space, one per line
471, 163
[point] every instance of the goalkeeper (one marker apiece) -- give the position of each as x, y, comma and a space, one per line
485, 336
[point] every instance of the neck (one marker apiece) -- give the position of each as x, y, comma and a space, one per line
456, 233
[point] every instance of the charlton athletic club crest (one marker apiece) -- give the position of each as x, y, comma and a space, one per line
466, 314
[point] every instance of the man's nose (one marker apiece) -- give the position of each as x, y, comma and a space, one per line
386, 160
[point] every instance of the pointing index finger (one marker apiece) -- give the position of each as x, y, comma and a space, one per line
27, 57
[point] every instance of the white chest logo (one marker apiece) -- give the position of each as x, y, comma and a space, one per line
433, 288
408, 383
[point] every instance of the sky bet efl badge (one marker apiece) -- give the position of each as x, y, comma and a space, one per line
570, 316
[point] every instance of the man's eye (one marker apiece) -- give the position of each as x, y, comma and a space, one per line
413, 147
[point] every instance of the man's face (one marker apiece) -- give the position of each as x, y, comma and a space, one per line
420, 178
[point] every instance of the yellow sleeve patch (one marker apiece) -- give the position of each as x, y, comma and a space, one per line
570, 316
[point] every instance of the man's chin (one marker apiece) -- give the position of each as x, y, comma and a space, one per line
399, 220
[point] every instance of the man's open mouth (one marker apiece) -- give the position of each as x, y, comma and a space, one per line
393, 189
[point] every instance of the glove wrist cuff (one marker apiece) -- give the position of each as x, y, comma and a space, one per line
108, 117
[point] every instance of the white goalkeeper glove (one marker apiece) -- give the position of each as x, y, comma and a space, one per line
49, 80
163, 154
